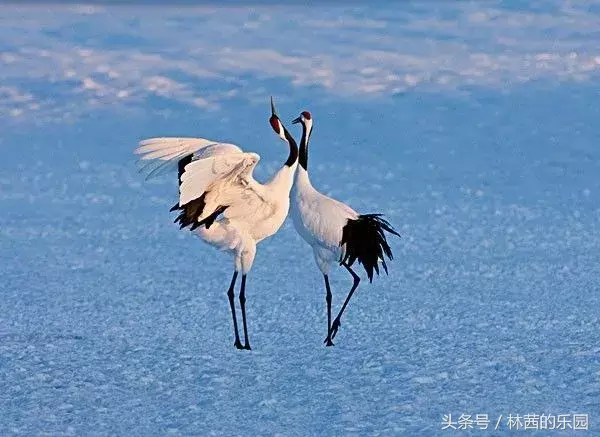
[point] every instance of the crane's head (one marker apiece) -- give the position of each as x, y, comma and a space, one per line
276, 123
305, 118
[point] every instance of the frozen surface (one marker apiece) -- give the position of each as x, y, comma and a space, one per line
472, 126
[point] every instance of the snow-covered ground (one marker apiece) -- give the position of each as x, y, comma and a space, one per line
474, 126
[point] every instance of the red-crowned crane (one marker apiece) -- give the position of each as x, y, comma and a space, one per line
336, 232
221, 202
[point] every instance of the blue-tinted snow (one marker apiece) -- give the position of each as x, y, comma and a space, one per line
472, 126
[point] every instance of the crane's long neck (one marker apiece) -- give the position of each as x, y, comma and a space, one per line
302, 184
282, 180
306, 131
292, 159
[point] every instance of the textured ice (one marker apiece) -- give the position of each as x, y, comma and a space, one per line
97, 57
114, 322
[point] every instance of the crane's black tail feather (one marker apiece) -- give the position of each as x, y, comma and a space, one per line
189, 213
366, 242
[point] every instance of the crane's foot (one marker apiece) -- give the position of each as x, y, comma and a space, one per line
328, 342
334, 328
247, 347
238, 344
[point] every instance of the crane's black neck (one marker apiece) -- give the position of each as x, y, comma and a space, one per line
293, 156
304, 147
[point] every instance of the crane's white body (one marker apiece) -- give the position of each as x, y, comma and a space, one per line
253, 218
319, 220
223, 174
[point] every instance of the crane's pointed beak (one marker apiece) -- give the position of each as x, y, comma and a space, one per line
297, 120
273, 111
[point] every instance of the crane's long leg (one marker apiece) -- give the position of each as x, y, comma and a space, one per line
230, 295
328, 341
336, 322
243, 306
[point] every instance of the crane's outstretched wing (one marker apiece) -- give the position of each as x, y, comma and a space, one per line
159, 154
214, 178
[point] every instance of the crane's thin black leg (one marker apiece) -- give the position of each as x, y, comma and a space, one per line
328, 341
230, 295
336, 322
243, 306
